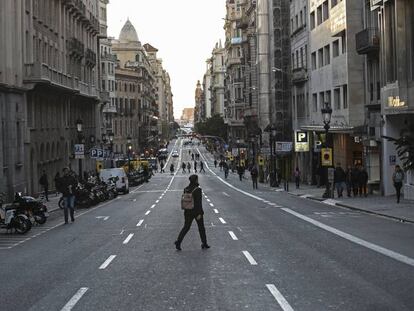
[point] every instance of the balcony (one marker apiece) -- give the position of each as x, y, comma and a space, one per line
368, 41
90, 58
109, 108
76, 48
104, 95
231, 61
42, 73
299, 75
87, 90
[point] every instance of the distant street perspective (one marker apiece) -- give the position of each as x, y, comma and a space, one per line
218, 155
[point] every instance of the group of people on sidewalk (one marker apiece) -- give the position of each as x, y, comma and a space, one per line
354, 180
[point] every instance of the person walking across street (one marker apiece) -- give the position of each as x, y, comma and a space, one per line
67, 186
354, 180
202, 167
339, 179
44, 182
397, 179
297, 177
240, 171
192, 156
162, 167
215, 163
183, 166
172, 169
189, 167
254, 174
195, 166
226, 169
362, 181
195, 213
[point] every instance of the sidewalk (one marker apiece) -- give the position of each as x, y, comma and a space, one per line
373, 204
53, 205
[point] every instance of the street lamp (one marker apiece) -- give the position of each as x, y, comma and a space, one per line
111, 146
271, 129
326, 118
79, 126
129, 145
253, 141
238, 141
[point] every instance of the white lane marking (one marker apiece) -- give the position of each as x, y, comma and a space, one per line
233, 236
208, 200
211, 204
106, 218
107, 262
134, 200
128, 238
384, 251
250, 258
222, 220
279, 297
147, 212
74, 300
216, 211
153, 205
330, 202
224, 193
140, 223
158, 201
134, 190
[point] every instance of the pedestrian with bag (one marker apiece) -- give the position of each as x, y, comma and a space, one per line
397, 179
191, 203
68, 184
43, 181
254, 174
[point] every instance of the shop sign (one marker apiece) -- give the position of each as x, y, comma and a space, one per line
79, 151
284, 146
393, 159
301, 141
395, 102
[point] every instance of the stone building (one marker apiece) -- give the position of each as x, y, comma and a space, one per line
48, 80
217, 71
132, 56
206, 85
200, 108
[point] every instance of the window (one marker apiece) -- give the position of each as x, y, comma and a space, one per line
320, 58
312, 20
321, 99
328, 98
297, 59
103, 85
325, 8
313, 59
301, 18
302, 64
337, 99
319, 15
343, 39
315, 102
327, 53
345, 95
333, 3
335, 48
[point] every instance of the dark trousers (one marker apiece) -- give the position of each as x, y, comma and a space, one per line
254, 183
398, 186
46, 188
241, 177
69, 203
297, 181
362, 189
188, 219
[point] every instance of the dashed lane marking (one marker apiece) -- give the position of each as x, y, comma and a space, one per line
140, 223
74, 300
152, 206
211, 204
147, 212
128, 238
279, 297
249, 258
107, 262
216, 211
222, 220
233, 236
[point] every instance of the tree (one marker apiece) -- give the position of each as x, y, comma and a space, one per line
405, 146
213, 126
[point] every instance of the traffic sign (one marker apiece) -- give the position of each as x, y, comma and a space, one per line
326, 156
260, 160
79, 151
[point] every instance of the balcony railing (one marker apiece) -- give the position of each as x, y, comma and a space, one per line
368, 41
42, 73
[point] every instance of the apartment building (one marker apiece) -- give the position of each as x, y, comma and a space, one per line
48, 81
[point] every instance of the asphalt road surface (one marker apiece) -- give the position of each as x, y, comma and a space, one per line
269, 251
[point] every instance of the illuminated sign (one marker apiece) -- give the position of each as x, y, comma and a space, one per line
395, 102
301, 142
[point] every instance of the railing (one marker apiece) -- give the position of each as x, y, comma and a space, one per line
367, 41
38, 73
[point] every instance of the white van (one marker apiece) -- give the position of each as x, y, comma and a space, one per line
122, 182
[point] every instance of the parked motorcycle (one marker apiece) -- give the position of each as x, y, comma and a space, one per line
31, 207
10, 219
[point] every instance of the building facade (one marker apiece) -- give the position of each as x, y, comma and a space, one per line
48, 81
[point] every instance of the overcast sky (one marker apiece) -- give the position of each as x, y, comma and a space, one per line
184, 32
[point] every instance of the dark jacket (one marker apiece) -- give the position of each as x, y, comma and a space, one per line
43, 180
339, 175
363, 177
197, 196
254, 173
67, 185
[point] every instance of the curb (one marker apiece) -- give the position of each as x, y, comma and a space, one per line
400, 219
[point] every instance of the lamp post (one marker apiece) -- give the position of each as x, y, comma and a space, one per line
79, 125
111, 146
129, 146
273, 181
326, 118
238, 148
253, 141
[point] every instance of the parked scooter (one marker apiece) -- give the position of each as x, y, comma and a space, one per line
10, 219
31, 207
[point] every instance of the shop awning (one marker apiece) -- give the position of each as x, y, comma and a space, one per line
343, 129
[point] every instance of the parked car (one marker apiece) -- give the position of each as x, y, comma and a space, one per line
175, 154
122, 184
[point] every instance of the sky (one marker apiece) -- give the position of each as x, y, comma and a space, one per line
184, 31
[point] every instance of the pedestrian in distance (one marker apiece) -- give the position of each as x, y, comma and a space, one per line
183, 166
189, 167
68, 185
196, 212
192, 156
240, 171
348, 180
57, 181
339, 179
226, 170
215, 163
172, 169
221, 165
362, 181
162, 167
297, 177
43, 181
397, 179
202, 167
354, 180
195, 166
254, 174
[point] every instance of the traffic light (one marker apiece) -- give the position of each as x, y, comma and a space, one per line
326, 156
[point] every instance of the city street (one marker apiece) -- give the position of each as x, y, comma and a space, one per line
269, 251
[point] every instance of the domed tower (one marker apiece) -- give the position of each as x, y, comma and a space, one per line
128, 33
